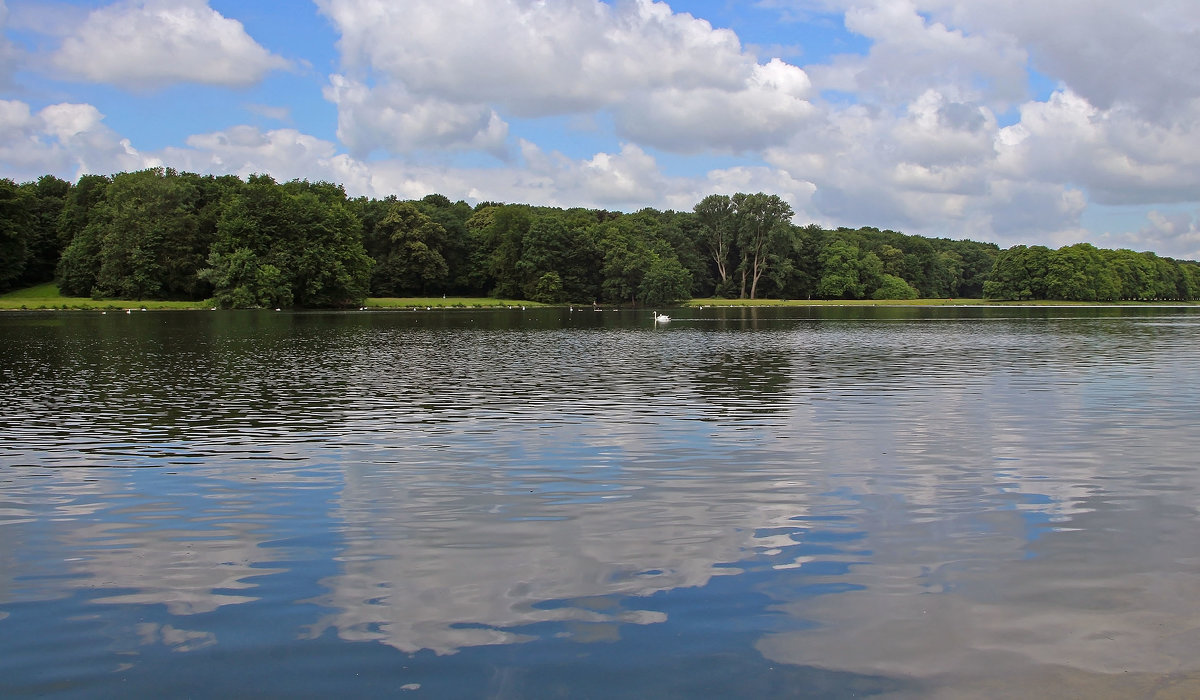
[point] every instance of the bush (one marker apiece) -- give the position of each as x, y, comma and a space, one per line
894, 287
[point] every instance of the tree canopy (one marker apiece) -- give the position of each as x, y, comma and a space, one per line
163, 234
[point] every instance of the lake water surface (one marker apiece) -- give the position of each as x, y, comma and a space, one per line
797, 502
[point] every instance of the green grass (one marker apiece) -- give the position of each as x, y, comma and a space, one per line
837, 302
443, 302
47, 296
917, 302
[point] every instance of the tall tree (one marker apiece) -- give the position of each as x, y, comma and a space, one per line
1019, 273
296, 244
80, 232
15, 225
47, 196
763, 235
412, 263
152, 244
847, 272
718, 232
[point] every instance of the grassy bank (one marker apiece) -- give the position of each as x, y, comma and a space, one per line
444, 302
835, 302
921, 302
47, 296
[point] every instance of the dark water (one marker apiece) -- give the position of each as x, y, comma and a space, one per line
755, 503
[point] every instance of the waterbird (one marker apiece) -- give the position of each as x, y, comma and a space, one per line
661, 318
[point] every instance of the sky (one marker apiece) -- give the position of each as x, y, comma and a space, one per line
1019, 122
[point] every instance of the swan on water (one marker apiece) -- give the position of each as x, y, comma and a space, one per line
661, 318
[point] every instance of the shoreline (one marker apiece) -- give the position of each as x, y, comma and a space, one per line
469, 304
46, 298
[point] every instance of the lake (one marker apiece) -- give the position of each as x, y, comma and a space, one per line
791, 502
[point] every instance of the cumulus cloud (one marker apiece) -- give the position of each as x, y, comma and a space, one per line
935, 129
627, 179
767, 107
1174, 234
671, 80
147, 44
67, 139
1107, 51
1119, 156
537, 58
911, 54
932, 129
389, 117
242, 150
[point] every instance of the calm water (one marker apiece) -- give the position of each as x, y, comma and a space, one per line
772, 503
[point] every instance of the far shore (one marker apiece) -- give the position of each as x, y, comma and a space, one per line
45, 297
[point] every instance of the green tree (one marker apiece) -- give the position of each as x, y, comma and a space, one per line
639, 268
455, 248
15, 232
665, 281
1019, 273
763, 235
1080, 273
548, 289
847, 272
151, 241
1134, 272
1169, 284
804, 268
282, 245
976, 260
80, 233
502, 245
893, 287
46, 199
412, 263
718, 235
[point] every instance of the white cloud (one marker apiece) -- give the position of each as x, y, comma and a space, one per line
65, 139
536, 58
911, 55
147, 44
1108, 51
1118, 156
770, 105
920, 145
388, 117
285, 154
934, 129
1173, 234
444, 70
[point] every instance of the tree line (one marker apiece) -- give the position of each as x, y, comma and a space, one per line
164, 234
1082, 272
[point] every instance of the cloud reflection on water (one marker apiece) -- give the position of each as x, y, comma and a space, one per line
915, 500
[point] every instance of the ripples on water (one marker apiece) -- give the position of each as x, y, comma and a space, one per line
805, 502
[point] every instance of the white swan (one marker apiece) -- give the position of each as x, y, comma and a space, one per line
661, 318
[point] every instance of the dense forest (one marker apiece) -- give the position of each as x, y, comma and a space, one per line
163, 234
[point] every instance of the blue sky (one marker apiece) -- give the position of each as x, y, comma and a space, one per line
1048, 122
